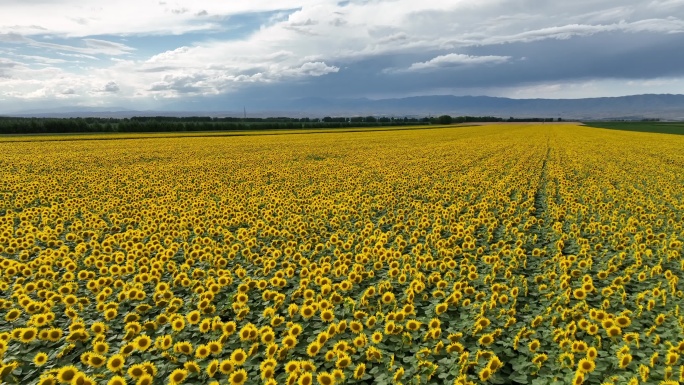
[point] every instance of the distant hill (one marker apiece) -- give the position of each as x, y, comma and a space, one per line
624, 107
629, 107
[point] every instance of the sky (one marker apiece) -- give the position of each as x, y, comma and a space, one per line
149, 54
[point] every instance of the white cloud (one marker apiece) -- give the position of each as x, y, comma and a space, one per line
109, 87
90, 46
454, 60
80, 18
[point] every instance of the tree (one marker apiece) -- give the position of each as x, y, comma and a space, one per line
445, 119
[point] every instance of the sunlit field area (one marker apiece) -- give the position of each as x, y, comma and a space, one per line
503, 254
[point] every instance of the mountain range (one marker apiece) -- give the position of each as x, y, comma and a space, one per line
634, 107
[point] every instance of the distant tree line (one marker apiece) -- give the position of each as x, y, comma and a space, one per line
12, 125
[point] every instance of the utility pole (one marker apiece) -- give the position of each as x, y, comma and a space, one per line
244, 110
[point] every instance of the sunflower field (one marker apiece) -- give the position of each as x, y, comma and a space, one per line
503, 254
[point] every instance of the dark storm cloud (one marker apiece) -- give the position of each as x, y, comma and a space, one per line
604, 55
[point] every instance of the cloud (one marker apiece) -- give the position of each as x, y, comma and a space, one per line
216, 80
457, 60
42, 59
451, 61
6, 63
91, 46
110, 87
107, 47
314, 69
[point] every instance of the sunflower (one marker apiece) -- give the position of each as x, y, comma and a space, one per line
305, 379
625, 360
271, 350
110, 314
592, 329
592, 353
413, 325
325, 378
183, 347
145, 379
212, 368
215, 347
238, 377
579, 294
307, 312
142, 343
117, 380
66, 374
163, 342
671, 358
277, 321
387, 298
313, 348
533, 345
295, 330
85, 357
136, 371
101, 347
178, 376
28, 334
96, 360
494, 364
343, 360
269, 362
292, 366
150, 368
289, 342
229, 328
267, 372
54, 334
327, 315
82, 379
268, 337
245, 334
578, 379
539, 359
586, 366
205, 326
193, 317
389, 327
12, 315
322, 337
40, 359
623, 321
47, 380
226, 366
202, 352
486, 339
359, 371
238, 357
307, 366
485, 374
178, 324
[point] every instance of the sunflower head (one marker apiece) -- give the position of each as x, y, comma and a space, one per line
40, 359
